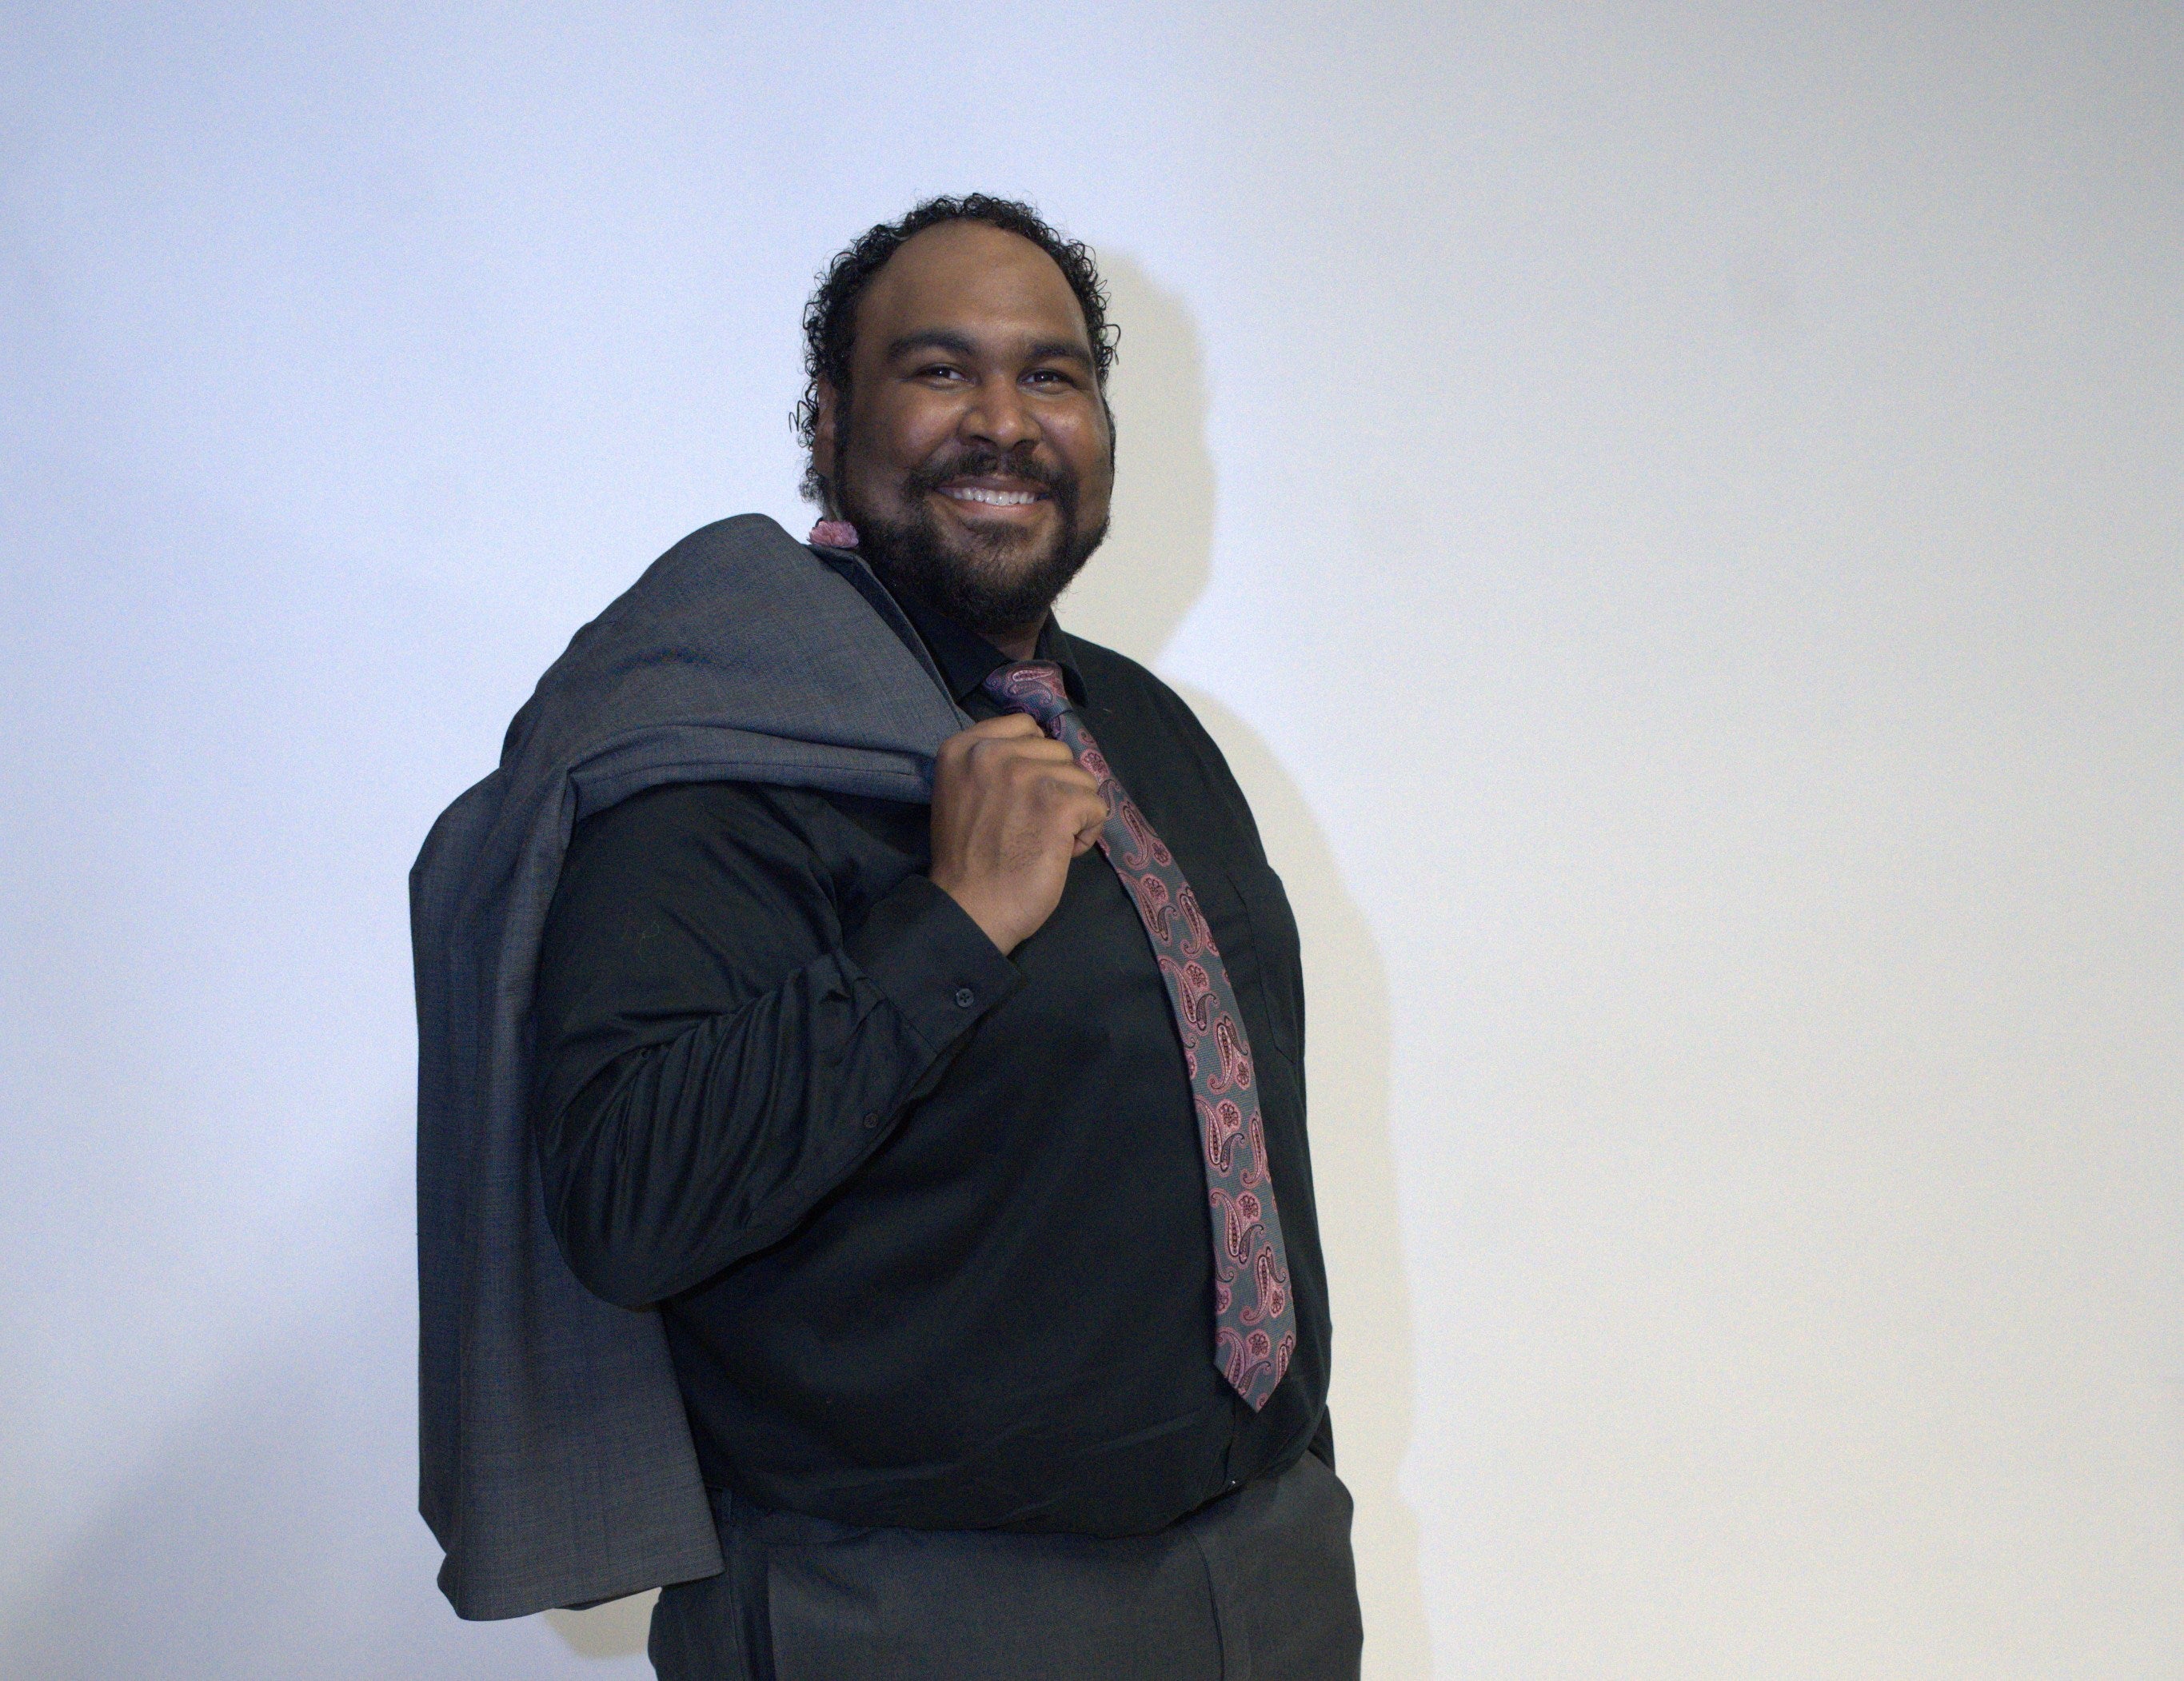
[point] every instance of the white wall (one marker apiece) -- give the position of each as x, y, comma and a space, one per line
1675, 511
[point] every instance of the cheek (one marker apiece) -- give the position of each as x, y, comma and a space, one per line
1083, 442
905, 432
1097, 469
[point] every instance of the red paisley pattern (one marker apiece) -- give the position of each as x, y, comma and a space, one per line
1254, 1172
1154, 906
1148, 849
1197, 936
1191, 987
1222, 1124
1273, 1287
1236, 1054
1253, 1335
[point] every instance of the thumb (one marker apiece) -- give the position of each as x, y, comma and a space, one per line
1088, 832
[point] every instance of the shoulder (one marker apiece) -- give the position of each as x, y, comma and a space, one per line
1128, 698
1116, 682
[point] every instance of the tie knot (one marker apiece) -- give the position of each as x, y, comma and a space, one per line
1033, 685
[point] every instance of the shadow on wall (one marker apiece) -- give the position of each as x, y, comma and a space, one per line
1157, 563
619, 1628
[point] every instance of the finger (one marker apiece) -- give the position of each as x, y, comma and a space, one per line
1002, 728
988, 734
1089, 830
1063, 767
1035, 754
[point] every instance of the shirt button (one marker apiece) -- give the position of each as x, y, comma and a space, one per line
872, 1120
965, 997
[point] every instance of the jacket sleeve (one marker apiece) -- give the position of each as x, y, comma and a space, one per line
724, 1034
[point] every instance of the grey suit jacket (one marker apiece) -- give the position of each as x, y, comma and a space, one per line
556, 1467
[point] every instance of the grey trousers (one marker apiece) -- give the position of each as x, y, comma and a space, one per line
1258, 1587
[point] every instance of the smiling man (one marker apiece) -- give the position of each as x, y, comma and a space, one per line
976, 460
958, 1149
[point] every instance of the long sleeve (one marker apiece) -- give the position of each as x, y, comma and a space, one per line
740, 991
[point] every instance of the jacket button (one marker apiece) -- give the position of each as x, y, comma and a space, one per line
965, 997
872, 1120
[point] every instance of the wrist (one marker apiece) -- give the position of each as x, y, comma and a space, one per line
988, 916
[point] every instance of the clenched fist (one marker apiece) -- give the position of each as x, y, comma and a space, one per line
1011, 810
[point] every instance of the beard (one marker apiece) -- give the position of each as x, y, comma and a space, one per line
992, 583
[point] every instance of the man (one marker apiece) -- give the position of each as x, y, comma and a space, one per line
962, 1149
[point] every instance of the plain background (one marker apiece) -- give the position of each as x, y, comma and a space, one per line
1675, 512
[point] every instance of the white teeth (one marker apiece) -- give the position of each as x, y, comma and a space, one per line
998, 498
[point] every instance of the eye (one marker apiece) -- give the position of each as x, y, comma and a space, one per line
940, 370
1049, 377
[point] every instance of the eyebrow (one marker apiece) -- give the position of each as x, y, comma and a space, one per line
960, 344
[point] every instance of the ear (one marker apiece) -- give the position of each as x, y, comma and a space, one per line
823, 431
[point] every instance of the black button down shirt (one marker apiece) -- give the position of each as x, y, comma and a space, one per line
928, 1225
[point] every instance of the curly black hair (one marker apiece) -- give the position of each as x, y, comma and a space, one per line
830, 319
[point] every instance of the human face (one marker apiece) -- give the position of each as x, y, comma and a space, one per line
976, 461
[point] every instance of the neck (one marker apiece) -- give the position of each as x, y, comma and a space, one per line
1022, 642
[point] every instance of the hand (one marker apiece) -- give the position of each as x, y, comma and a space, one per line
1011, 810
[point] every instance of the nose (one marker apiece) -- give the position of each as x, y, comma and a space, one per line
997, 414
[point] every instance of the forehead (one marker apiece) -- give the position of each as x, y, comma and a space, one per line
969, 278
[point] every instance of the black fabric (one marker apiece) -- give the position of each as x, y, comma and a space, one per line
1260, 1586
928, 1225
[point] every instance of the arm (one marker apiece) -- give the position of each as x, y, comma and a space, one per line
716, 1051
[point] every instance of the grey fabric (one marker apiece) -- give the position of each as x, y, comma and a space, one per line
1259, 1587
555, 1464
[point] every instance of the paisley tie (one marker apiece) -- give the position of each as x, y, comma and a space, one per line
1254, 1328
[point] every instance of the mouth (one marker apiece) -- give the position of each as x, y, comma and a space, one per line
994, 492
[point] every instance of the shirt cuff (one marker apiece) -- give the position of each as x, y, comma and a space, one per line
932, 962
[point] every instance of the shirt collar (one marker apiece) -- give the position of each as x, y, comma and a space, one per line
966, 660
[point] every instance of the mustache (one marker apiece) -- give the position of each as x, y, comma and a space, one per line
980, 460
